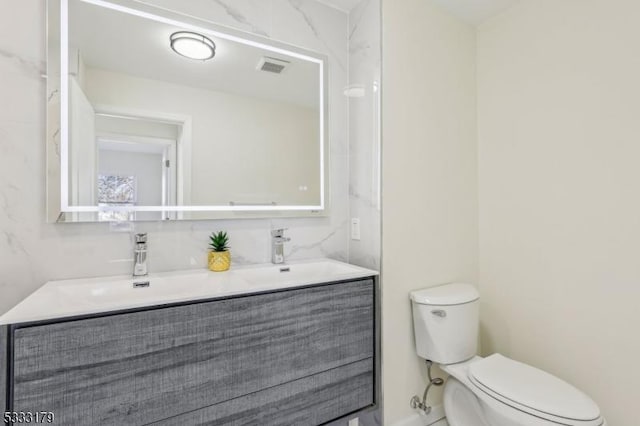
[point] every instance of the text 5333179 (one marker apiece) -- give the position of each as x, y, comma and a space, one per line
17, 417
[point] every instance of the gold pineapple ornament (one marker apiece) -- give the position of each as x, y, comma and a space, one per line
219, 254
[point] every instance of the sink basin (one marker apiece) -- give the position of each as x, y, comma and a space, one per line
88, 296
107, 291
311, 272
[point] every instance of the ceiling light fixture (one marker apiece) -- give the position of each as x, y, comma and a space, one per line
192, 45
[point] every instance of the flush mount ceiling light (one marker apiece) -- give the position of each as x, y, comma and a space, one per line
192, 45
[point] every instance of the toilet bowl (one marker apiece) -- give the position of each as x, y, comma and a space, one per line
502, 392
491, 391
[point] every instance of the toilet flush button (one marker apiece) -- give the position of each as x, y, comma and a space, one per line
439, 313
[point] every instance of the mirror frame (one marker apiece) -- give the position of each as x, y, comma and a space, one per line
57, 140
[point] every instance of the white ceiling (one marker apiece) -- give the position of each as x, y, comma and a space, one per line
115, 41
475, 11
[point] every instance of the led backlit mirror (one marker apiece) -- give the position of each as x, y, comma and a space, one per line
154, 116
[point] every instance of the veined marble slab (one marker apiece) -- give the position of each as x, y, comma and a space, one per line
77, 297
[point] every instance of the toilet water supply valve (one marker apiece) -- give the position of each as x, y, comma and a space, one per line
416, 403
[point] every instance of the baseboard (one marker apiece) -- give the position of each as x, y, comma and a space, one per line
417, 419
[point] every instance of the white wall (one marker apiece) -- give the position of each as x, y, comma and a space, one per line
32, 252
242, 149
429, 177
82, 147
559, 126
106, 124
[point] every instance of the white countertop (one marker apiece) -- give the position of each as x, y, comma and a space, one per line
86, 296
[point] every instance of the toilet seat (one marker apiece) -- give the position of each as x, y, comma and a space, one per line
533, 391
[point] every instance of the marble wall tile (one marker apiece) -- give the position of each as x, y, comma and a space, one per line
364, 36
365, 144
312, 25
33, 252
253, 16
364, 128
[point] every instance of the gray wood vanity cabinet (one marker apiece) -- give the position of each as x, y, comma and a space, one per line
303, 356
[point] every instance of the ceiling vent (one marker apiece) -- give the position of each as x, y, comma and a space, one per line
272, 65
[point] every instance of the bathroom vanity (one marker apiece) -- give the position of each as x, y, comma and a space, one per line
292, 351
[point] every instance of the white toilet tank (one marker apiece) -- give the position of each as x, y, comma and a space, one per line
445, 322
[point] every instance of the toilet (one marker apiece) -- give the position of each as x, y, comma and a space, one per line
491, 391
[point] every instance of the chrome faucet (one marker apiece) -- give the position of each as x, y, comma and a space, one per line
277, 245
140, 256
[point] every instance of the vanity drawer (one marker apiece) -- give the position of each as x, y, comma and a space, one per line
141, 367
308, 401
